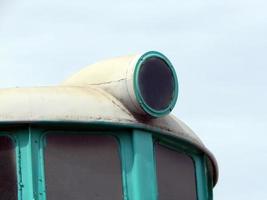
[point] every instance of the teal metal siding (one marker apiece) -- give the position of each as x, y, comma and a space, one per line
137, 160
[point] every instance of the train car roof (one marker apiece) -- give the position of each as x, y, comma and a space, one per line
88, 104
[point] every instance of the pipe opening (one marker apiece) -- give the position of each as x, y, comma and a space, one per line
156, 84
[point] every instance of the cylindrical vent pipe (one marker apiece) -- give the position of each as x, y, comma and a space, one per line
145, 83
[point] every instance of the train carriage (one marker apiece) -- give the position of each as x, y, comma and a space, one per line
104, 133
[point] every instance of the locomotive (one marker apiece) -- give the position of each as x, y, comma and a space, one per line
105, 133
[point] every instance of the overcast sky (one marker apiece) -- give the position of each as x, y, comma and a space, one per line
219, 50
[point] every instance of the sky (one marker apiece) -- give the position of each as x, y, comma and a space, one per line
218, 49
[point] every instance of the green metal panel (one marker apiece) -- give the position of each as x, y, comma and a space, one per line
39, 158
30, 164
143, 172
202, 186
137, 161
127, 159
209, 177
27, 187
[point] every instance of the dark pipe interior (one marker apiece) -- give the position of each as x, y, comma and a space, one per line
156, 83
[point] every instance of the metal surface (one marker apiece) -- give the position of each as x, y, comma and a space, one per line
119, 77
101, 94
85, 104
136, 152
79, 104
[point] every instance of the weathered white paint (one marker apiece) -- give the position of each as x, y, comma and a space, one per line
83, 104
115, 76
102, 92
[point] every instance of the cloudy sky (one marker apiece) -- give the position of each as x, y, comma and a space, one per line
219, 49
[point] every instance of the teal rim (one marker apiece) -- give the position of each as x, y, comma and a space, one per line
149, 110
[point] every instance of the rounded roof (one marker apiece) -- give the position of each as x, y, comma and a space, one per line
85, 104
